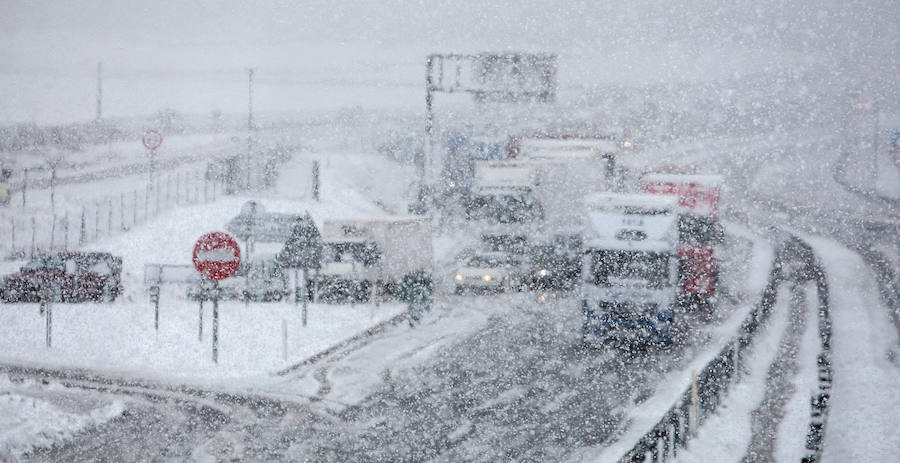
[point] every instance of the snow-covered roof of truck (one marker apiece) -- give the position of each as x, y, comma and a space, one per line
632, 200
386, 218
540, 146
708, 180
631, 221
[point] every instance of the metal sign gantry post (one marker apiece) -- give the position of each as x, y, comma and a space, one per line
502, 77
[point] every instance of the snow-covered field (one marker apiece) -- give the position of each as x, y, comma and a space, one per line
119, 337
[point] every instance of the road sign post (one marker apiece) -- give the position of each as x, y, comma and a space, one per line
152, 140
217, 257
154, 299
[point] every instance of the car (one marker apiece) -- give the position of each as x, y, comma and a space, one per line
65, 277
491, 271
555, 265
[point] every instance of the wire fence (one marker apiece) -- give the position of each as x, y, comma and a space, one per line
73, 227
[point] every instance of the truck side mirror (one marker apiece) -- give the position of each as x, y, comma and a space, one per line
718, 233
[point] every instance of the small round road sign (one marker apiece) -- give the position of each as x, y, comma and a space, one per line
152, 139
217, 255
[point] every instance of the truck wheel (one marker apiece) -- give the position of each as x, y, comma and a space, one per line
458, 290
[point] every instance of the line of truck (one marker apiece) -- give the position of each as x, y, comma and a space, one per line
636, 258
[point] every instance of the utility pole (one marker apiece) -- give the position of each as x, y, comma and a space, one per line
429, 118
99, 90
249, 124
875, 146
250, 100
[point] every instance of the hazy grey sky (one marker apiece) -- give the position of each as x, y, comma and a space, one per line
384, 42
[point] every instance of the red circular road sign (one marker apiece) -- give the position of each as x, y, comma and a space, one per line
217, 255
152, 139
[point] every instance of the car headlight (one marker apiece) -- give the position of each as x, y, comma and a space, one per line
543, 272
459, 277
486, 278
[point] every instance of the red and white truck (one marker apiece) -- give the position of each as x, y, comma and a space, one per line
699, 231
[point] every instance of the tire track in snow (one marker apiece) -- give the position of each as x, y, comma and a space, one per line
779, 386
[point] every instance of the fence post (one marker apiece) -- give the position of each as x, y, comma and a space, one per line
109, 216
134, 211
284, 340
32, 236
12, 227
693, 415
83, 230
66, 231
122, 211
52, 232
96, 220
737, 360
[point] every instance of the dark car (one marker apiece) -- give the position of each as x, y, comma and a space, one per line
65, 277
556, 266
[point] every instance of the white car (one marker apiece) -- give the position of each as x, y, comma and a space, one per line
492, 271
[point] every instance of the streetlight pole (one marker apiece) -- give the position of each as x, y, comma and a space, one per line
876, 122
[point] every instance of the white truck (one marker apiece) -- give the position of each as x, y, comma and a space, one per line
368, 257
556, 172
629, 278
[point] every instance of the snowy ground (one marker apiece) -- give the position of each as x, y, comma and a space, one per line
37, 415
864, 399
120, 337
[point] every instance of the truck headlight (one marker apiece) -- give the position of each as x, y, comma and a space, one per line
486, 278
459, 277
543, 272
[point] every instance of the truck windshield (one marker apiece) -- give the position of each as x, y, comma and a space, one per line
366, 253
44, 263
489, 261
650, 268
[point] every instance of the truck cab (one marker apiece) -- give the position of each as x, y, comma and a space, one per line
348, 267
630, 268
699, 232
370, 256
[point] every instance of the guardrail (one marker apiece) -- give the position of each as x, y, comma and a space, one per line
701, 398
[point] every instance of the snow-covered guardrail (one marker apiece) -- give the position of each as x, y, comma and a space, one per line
819, 403
793, 259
